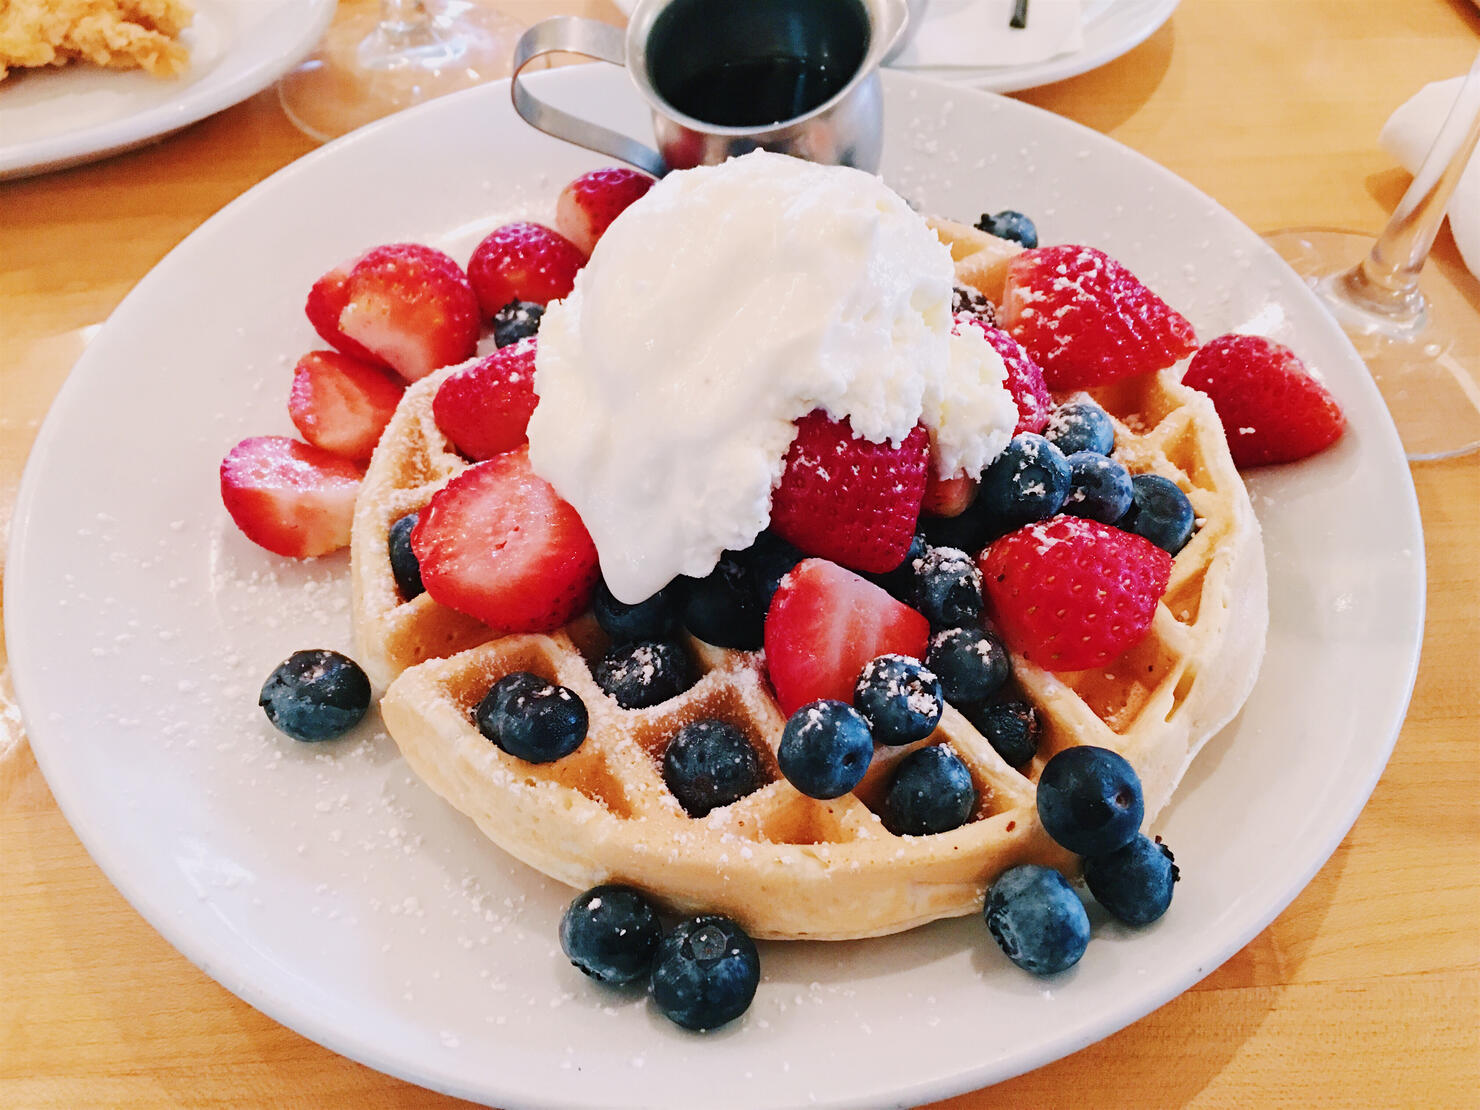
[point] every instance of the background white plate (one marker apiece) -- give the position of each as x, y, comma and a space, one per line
1111, 28
50, 118
327, 887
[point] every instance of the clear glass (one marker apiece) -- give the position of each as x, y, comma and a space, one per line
378, 59
1413, 325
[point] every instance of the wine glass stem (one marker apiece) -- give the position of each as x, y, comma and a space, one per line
402, 16
1386, 281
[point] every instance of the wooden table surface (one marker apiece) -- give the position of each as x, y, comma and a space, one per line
1365, 991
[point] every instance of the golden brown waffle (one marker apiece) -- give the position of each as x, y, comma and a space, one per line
782, 864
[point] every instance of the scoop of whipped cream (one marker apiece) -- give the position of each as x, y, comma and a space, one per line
720, 307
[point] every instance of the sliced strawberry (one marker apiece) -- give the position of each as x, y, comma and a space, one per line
342, 404
947, 496
1086, 319
1071, 593
485, 408
1272, 410
292, 498
847, 499
589, 204
824, 624
498, 544
1024, 378
326, 300
523, 262
405, 306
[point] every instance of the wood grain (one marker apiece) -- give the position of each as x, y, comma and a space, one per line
1365, 992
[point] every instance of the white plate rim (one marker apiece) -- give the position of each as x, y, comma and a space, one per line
1252, 920
1109, 36
191, 105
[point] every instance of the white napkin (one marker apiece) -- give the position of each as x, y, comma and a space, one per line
1408, 135
976, 33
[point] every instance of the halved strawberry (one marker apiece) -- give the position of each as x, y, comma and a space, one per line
947, 496
847, 499
326, 300
523, 262
1024, 377
341, 403
824, 624
292, 498
1272, 410
485, 408
589, 204
1071, 593
498, 544
402, 305
1087, 320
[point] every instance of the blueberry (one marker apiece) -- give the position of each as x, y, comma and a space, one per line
1027, 482
966, 299
1160, 512
515, 321
970, 531
947, 588
315, 695
706, 972
532, 719
722, 608
825, 749
1037, 918
971, 663
612, 933
655, 618
1008, 224
1089, 800
768, 560
899, 698
709, 764
644, 674
1099, 488
1134, 882
1011, 727
404, 565
900, 582
1081, 426
931, 792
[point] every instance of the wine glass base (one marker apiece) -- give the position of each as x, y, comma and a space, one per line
1427, 368
365, 69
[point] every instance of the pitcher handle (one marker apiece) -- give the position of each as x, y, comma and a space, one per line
570, 34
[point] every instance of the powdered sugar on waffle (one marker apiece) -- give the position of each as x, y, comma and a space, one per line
719, 308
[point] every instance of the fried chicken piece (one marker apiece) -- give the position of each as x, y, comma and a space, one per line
120, 34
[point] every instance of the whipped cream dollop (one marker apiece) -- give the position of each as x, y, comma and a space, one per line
720, 307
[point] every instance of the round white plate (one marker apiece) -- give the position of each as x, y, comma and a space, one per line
50, 118
327, 887
1111, 28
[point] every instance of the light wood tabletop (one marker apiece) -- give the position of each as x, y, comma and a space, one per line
1364, 992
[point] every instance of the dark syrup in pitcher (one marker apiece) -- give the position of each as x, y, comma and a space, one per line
752, 63
750, 92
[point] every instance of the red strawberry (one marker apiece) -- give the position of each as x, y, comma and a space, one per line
1071, 593
498, 544
408, 306
589, 204
1086, 319
291, 498
342, 404
1272, 409
824, 624
485, 408
947, 496
326, 300
1024, 378
847, 499
523, 262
